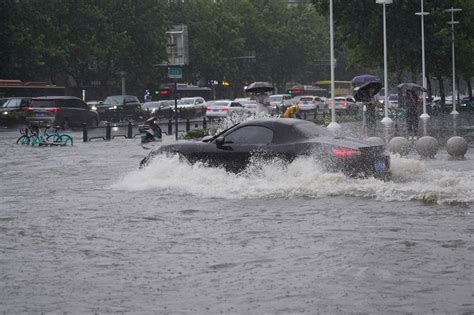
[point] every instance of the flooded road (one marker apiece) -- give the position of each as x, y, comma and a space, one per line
83, 230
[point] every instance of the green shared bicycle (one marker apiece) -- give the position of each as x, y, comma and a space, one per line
33, 136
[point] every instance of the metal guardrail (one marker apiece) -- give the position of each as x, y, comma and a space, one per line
130, 130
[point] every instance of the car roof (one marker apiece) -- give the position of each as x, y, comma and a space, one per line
59, 97
272, 122
283, 128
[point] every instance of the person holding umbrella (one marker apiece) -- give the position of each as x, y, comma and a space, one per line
412, 113
412, 105
367, 86
260, 92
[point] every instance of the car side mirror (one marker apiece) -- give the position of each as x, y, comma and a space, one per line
220, 142
206, 138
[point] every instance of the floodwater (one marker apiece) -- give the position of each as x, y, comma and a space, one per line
83, 230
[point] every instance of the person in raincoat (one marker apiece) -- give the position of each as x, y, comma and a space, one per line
291, 111
412, 113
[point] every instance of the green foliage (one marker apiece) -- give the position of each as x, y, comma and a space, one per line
196, 134
86, 42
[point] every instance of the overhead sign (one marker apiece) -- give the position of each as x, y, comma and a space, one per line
175, 72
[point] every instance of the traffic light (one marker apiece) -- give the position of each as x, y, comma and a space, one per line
294, 92
163, 92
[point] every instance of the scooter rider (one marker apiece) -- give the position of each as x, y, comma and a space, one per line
150, 131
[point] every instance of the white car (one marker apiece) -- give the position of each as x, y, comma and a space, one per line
310, 102
192, 102
278, 101
250, 106
222, 109
344, 104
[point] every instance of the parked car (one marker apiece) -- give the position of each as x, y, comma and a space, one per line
192, 102
93, 104
151, 107
64, 111
283, 138
310, 103
279, 101
3, 101
119, 108
467, 104
13, 111
344, 104
222, 109
250, 106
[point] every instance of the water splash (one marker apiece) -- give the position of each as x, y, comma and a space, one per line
304, 177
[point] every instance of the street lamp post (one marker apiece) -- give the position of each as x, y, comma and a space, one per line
386, 119
333, 125
422, 14
452, 22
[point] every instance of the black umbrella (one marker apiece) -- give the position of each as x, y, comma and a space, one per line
259, 87
366, 91
403, 87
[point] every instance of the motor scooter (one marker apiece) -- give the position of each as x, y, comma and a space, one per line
150, 131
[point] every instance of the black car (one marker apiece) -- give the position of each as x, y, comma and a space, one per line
286, 139
13, 111
120, 107
65, 111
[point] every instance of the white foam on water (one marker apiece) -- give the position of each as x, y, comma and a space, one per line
304, 177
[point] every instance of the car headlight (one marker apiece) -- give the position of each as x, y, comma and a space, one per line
5, 113
113, 107
94, 108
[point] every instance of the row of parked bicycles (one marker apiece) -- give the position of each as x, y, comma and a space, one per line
41, 136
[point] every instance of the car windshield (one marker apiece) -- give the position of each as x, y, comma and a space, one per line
151, 104
186, 101
249, 104
43, 103
306, 99
215, 104
276, 98
114, 100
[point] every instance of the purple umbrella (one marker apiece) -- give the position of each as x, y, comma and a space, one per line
361, 79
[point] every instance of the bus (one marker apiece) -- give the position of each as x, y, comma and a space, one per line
300, 90
341, 88
165, 91
17, 88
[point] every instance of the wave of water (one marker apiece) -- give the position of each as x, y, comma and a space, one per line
304, 177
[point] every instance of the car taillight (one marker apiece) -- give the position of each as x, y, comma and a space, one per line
27, 110
344, 104
209, 108
344, 152
224, 109
53, 109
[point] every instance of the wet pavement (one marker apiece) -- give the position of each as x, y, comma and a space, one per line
83, 230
